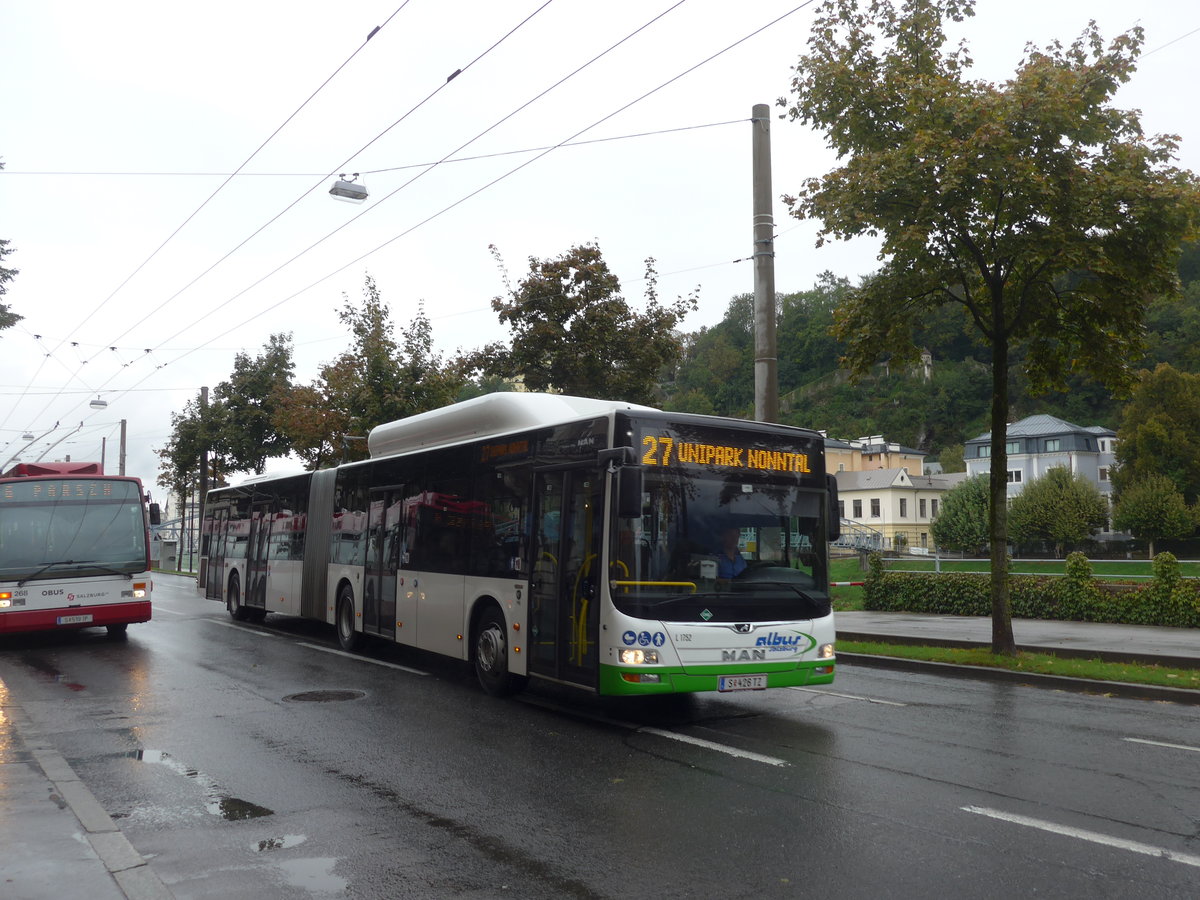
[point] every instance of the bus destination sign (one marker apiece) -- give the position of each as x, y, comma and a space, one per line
74, 489
665, 450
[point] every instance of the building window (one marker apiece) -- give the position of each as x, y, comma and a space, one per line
874, 507
1014, 476
858, 509
1053, 445
841, 467
903, 508
841, 509
921, 507
1103, 473
1012, 447
933, 508
924, 539
985, 450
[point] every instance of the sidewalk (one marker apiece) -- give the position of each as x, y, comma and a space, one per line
59, 843
1175, 647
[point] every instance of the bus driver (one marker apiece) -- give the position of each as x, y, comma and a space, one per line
730, 562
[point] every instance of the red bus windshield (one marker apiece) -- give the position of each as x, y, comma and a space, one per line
63, 527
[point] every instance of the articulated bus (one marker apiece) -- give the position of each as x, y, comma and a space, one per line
552, 537
74, 549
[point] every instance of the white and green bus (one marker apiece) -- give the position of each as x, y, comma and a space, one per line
541, 536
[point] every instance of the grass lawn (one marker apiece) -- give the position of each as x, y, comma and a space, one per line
1039, 663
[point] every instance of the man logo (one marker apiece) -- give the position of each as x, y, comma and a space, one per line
743, 627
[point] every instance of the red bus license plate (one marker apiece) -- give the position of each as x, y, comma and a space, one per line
75, 620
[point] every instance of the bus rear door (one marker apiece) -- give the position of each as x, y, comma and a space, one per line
385, 534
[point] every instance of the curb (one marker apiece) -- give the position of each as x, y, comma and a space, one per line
1055, 682
133, 875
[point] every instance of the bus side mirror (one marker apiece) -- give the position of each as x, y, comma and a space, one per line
833, 515
630, 490
622, 462
155, 514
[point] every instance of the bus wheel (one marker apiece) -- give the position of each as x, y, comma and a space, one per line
237, 610
118, 632
491, 656
350, 639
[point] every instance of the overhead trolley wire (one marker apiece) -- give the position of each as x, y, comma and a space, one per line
489, 184
195, 212
318, 184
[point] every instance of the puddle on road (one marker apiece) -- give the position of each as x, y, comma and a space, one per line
315, 875
218, 803
286, 842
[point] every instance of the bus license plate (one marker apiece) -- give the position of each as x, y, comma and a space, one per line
741, 682
75, 620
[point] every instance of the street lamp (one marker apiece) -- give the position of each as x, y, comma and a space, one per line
98, 404
345, 189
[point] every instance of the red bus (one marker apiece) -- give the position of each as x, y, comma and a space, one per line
74, 549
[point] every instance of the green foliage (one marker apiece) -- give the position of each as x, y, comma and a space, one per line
1033, 204
1152, 509
248, 402
573, 332
379, 379
1174, 604
1060, 507
951, 459
962, 522
1160, 432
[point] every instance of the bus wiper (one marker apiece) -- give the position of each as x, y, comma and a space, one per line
46, 567
74, 562
802, 594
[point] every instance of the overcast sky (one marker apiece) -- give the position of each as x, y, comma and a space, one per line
122, 119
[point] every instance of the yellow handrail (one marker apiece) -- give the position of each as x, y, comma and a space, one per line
689, 584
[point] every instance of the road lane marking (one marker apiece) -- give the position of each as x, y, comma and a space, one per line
712, 745
846, 696
244, 629
1162, 744
366, 659
1092, 836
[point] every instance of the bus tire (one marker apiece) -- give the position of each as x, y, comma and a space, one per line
119, 631
233, 600
491, 655
348, 637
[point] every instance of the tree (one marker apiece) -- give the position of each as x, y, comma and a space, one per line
1153, 509
962, 523
1034, 205
250, 398
377, 380
199, 428
951, 458
1060, 507
573, 332
8, 318
1160, 432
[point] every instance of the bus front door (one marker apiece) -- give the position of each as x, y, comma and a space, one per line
564, 613
384, 537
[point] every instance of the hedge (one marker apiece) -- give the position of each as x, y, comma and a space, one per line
1167, 599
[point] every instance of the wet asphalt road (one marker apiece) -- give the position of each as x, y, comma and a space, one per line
259, 761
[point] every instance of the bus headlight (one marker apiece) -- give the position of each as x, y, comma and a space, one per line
825, 651
635, 656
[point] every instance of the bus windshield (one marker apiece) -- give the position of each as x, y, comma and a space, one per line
76, 527
721, 547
